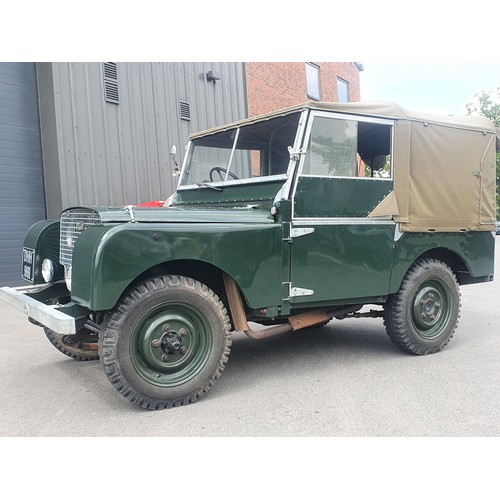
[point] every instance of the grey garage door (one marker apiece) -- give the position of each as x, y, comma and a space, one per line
22, 199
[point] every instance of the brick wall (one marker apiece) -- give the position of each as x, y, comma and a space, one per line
275, 85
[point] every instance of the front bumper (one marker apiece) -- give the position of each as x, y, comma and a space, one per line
22, 298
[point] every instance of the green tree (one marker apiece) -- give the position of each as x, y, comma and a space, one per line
488, 104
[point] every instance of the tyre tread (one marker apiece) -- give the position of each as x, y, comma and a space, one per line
72, 352
395, 314
110, 334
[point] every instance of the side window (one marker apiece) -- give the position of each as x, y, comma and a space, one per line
348, 148
332, 148
374, 150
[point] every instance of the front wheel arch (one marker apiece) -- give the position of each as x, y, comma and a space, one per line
204, 272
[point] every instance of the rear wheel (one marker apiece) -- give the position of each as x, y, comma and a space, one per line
423, 315
166, 342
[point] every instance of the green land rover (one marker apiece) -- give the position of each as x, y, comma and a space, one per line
279, 222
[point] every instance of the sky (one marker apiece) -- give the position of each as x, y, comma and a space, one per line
421, 35
440, 87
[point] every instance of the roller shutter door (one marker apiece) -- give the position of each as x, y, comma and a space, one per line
22, 199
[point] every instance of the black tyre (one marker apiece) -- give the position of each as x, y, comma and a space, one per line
82, 346
423, 315
166, 342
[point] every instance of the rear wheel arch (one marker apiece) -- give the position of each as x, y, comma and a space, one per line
453, 260
450, 258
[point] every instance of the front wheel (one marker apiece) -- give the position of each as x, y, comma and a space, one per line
166, 342
423, 315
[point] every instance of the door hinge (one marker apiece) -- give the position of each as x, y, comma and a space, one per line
289, 232
295, 291
301, 231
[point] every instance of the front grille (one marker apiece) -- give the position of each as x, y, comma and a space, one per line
73, 222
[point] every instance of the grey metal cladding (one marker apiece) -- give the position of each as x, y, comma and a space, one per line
22, 199
119, 154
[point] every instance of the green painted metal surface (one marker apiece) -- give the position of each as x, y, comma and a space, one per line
43, 238
475, 249
108, 258
339, 197
337, 261
250, 193
340, 261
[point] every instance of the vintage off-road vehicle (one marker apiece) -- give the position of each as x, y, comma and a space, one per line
279, 222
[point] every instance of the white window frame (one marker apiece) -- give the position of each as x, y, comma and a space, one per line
346, 83
309, 83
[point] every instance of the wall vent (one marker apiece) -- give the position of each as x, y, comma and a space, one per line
110, 74
111, 92
184, 111
110, 71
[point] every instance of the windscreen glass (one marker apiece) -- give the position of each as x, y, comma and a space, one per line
247, 152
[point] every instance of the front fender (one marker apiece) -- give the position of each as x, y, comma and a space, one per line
43, 238
107, 259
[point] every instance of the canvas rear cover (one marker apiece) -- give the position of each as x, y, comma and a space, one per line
444, 176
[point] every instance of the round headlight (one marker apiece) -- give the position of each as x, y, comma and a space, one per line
48, 270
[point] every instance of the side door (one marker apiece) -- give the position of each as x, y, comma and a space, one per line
337, 252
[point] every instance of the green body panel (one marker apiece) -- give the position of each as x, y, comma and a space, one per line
339, 197
338, 261
347, 256
475, 249
108, 258
262, 191
43, 238
342, 261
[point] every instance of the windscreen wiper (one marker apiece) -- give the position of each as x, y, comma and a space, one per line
208, 185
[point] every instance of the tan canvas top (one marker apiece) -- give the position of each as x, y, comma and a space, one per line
444, 174
378, 109
443, 166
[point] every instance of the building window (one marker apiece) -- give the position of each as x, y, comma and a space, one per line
312, 77
343, 90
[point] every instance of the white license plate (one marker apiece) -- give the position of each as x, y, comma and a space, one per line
28, 264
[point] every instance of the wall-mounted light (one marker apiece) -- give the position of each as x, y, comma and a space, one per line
213, 76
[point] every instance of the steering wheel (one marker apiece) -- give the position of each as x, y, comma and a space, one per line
220, 171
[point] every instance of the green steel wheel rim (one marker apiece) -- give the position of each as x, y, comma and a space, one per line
431, 309
171, 344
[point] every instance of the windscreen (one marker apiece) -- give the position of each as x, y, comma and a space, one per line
251, 151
